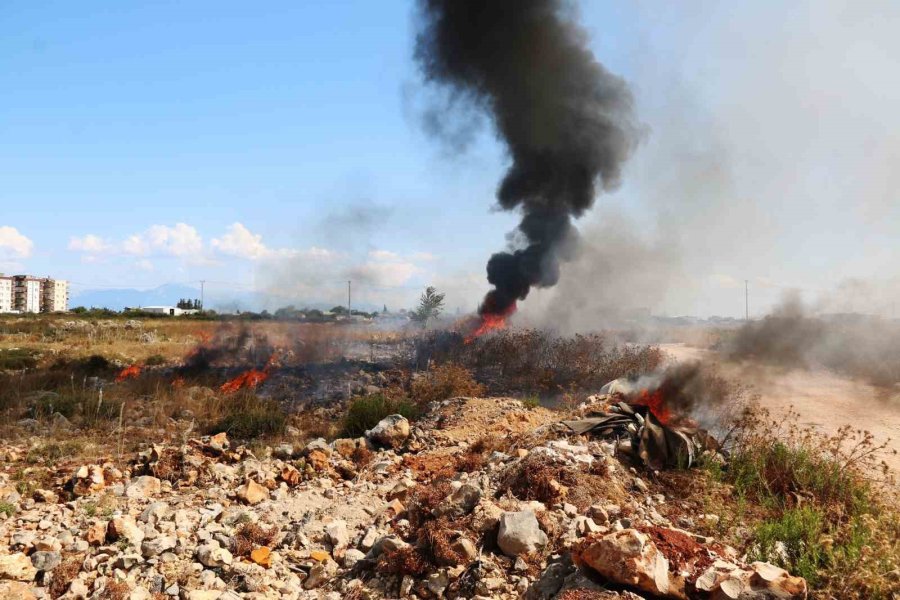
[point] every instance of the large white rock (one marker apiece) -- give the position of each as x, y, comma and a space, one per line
629, 557
17, 567
391, 431
520, 533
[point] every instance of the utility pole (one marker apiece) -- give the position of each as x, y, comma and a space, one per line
349, 309
747, 300
202, 283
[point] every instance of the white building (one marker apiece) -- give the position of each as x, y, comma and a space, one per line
6, 294
172, 311
54, 295
26, 294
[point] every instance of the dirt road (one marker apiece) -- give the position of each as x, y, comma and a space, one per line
822, 399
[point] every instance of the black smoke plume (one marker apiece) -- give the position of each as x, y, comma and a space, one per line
566, 121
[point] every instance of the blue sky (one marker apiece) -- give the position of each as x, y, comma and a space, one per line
275, 147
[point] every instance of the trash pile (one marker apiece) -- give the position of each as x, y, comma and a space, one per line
643, 427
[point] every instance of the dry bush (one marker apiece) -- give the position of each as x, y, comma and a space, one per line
64, 574
424, 499
404, 561
529, 361
537, 478
251, 535
361, 456
445, 381
115, 590
437, 537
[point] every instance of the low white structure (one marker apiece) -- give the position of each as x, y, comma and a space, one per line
172, 311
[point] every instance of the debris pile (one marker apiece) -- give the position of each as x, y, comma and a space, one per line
479, 498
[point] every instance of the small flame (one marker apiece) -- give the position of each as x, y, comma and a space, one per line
490, 322
131, 372
250, 379
656, 403
178, 382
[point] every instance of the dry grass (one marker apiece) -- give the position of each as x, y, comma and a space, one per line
64, 574
404, 561
537, 478
251, 535
529, 361
445, 381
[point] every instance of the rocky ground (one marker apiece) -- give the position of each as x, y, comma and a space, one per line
482, 497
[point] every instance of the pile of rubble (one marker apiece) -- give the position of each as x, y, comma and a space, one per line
447, 507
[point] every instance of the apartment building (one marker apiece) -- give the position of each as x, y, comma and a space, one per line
27, 294
54, 295
6, 294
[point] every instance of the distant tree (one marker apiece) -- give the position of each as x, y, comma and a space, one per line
339, 310
431, 303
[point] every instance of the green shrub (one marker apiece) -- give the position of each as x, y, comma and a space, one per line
792, 541
7, 508
17, 359
246, 416
365, 412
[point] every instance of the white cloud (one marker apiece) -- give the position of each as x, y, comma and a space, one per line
13, 243
144, 265
89, 244
383, 255
241, 242
179, 240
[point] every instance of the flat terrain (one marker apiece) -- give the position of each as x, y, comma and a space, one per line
822, 399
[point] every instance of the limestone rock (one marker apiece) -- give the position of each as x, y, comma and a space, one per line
143, 487
627, 557
391, 431
17, 567
252, 493
520, 533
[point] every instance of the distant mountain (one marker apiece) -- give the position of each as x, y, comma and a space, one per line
170, 293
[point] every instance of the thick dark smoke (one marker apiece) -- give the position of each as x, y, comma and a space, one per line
566, 121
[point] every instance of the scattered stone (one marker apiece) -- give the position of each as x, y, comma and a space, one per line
213, 556
252, 493
262, 556
46, 561
143, 487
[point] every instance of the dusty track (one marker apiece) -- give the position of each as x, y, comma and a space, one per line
822, 399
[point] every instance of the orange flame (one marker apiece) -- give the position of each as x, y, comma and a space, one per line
131, 372
250, 379
178, 382
656, 403
490, 322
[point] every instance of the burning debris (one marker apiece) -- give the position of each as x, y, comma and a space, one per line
647, 418
566, 121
